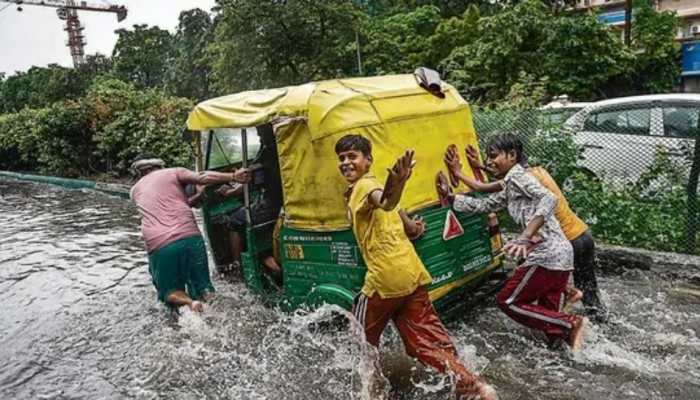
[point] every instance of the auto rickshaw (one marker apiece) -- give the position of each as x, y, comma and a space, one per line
294, 206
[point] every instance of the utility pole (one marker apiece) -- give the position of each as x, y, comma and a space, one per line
628, 22
67, 10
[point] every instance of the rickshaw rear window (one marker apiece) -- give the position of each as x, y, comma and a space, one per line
225, 147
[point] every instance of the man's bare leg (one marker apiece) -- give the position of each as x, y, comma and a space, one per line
236, 244
272, 267
270, 263
180, 298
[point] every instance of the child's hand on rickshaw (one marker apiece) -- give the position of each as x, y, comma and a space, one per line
414, 228
454, 166
398, 175
443, 188
473, 157
403, 167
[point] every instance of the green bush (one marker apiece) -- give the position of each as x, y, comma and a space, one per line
99, 133
151, 124
18, 148
130, 122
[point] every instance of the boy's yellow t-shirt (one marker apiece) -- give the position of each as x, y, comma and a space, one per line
570, 223
393, 267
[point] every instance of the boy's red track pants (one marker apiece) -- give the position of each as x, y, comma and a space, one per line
421, 330
533, 296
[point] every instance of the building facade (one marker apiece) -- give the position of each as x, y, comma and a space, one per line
612, 12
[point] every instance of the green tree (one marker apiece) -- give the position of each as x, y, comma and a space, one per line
264, 43
400, 42
40, 86
454, 32
580, 57
190, 72
18, 149
142, 55
656, 68
95, 65
64, 139
127, 122
575, 55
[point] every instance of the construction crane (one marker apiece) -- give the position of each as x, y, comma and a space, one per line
67, 10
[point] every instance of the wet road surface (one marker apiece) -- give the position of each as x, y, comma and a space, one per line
79, 320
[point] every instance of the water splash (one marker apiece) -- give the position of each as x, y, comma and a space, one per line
80, 320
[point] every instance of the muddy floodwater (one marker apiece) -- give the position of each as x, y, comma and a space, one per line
79, 320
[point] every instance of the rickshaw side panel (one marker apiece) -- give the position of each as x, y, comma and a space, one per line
312, 260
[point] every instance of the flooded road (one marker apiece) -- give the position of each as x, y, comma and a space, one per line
79, 320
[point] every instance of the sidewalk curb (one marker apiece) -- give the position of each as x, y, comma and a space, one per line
615, 259
115, 189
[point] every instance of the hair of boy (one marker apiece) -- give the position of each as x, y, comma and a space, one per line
354, 142
507, 143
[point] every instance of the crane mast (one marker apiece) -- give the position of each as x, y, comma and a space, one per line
67, 10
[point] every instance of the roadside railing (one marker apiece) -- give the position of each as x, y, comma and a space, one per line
630, 172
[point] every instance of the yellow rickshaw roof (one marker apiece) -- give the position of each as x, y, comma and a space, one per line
329, 106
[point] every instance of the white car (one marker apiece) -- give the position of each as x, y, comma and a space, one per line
621, 137
561, 109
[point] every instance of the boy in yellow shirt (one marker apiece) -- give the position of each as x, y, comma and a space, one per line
396, 282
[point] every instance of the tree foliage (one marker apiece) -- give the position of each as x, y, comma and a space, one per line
400, 42
98, 133
264, 43
657, 64
39, 87
190, 73
142, 55
508, 54
575, 54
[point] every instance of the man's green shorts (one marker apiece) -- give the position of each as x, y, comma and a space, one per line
181, 265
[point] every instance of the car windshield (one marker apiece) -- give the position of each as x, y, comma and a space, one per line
559, 115
226, 144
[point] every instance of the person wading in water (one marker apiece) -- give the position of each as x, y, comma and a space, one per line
177, 258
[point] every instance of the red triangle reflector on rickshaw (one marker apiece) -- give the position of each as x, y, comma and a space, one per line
452, 227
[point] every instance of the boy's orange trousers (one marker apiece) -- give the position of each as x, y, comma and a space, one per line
421, 330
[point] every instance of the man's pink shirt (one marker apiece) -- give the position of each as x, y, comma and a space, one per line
165, 214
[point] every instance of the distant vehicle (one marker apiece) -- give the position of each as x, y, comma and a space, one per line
621, 137
561, 109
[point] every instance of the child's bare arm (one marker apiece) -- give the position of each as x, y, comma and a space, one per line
388, 198
413, 227
230, 190
477, 186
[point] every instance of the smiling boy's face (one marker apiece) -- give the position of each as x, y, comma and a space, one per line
353, 164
